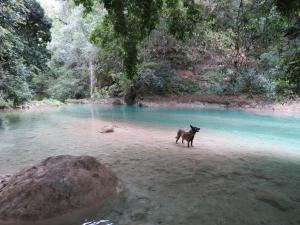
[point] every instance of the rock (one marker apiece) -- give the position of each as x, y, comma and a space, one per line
274, 199
117, 102
58, 185
4, 181
142, 105
107, 129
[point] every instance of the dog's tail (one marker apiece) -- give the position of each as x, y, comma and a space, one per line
179, 133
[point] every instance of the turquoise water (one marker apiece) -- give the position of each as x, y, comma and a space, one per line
268, 129
28, 137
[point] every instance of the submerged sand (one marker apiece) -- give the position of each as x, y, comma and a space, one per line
221, 180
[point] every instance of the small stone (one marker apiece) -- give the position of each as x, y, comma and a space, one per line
107, 129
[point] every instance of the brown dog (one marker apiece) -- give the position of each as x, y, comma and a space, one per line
188, 136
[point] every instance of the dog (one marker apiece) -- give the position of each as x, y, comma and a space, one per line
188, 136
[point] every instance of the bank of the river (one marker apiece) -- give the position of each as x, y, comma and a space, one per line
32, 105
256, 104
241, 102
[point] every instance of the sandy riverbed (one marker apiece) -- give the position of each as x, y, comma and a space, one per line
219, 181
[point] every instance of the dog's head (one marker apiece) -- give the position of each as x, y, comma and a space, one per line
194, 129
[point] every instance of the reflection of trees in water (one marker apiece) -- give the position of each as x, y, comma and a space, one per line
8, 119
3, 123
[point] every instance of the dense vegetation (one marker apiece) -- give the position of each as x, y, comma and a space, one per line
24, 34
151, 47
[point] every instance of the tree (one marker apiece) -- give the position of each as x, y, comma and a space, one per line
24, 34
290, 79
131, 21
74, 58
288, 8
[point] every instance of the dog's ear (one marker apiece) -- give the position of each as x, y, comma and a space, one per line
191, 126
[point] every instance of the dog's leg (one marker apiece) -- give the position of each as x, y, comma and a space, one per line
192, 142
188, 144
177, 138
182, 140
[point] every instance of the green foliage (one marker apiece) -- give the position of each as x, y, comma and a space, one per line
130, 22
262, 28
105, 92
183, 17
45, 101
293, 73
5, 103
219, 46
289, 82
24, 34
68, 86
147, 41
288, 7
72, 54
155, 78
158, 78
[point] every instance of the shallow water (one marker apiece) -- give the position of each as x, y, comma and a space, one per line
270, 129
45, 132
27, 137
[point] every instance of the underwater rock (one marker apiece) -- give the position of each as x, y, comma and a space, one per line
107, 129
56, 186
274, 199
142, 105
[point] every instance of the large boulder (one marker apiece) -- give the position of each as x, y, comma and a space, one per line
58, 185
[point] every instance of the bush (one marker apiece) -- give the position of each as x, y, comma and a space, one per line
158, 78
288, 82
68, 87
256, 78
45, 101
254, 82
105, 92
5, 103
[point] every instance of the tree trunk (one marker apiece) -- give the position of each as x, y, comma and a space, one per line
91, 78
130, 94
237, 60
